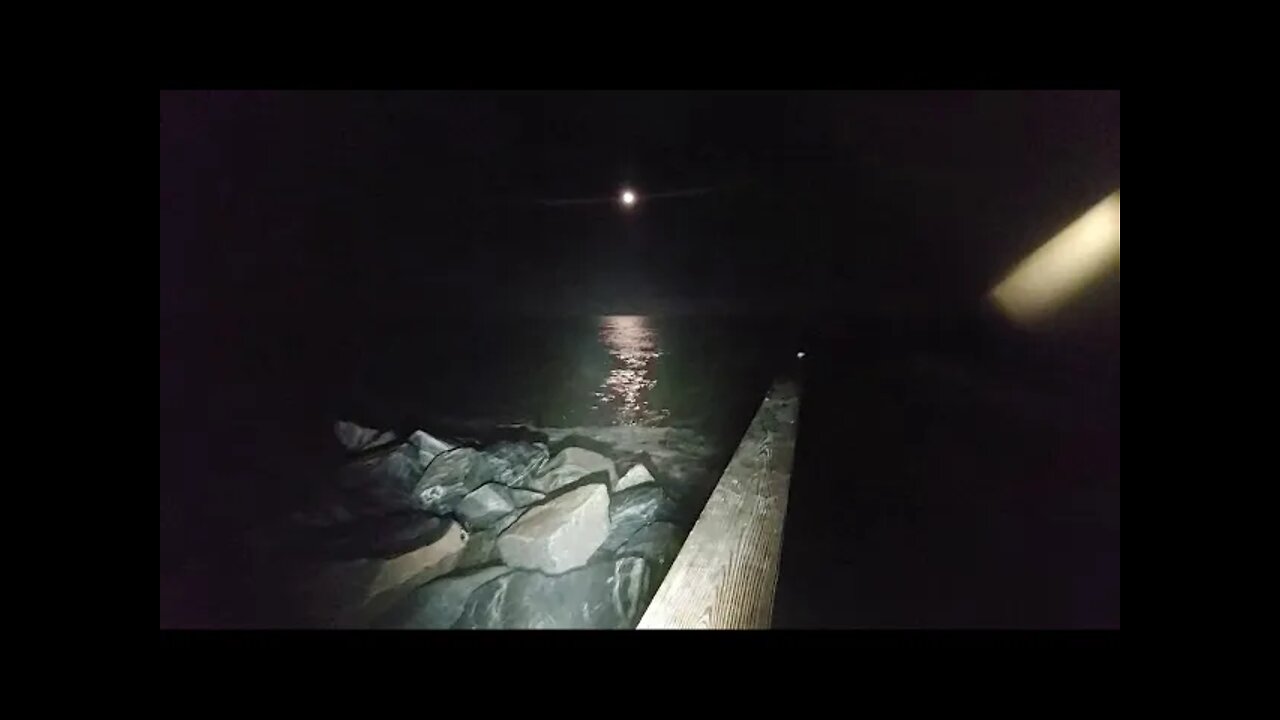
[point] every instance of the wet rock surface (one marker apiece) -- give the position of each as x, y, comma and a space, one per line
485, 505
525, 498
633, 509
607, 595
683, 462
657, 543
569, 466
513, 463
431, 534
440, 486
438, 604
428, 561
482, 547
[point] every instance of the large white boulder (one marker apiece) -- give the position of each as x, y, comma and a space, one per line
428, 446
558, 535
637, 475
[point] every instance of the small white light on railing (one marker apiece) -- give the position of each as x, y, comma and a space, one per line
800, 354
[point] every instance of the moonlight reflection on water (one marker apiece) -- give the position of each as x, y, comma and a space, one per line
634, 347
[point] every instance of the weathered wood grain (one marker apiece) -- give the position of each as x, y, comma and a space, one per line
727, 570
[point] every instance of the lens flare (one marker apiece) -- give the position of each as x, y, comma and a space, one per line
1059, 270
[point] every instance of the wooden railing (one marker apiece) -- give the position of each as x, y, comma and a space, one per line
727, 570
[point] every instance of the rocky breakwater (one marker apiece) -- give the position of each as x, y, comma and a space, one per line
429, 533
583, 546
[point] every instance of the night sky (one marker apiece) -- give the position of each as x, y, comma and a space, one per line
854, 201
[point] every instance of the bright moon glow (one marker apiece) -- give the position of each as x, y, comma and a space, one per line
1056, 272
800, 354
628, 197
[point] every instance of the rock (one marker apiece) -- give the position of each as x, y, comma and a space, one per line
632, 509
439, 603
678, 457
482, 547
513, 463
401, 469
456, 465
558, 535
431, 446
607, 595
485, 505
442, 499
448, 479
355, 438
345, 593
454, 473
637, 475
438, 558
568, 467
658, 543
525, 498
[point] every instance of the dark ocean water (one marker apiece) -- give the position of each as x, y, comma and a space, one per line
587, 371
